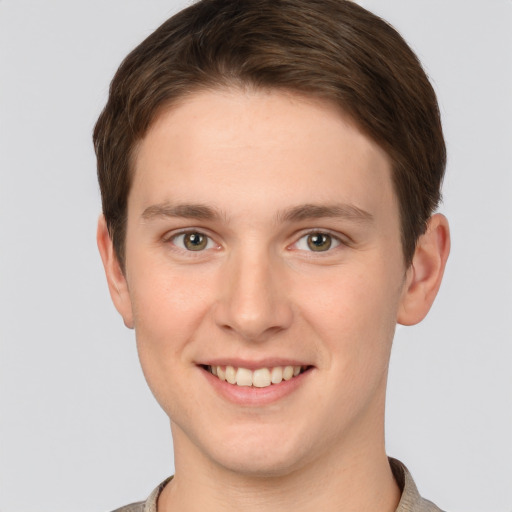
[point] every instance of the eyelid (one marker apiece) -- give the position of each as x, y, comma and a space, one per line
170, 236
342, 240
337, 237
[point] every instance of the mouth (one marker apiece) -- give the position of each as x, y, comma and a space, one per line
257, 378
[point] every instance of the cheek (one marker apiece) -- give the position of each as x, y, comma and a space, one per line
166, 315
353, 311
168, 308
167, 300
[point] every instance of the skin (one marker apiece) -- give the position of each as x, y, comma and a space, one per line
251, 161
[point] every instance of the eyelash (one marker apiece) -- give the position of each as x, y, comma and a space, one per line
336, 241
172, 238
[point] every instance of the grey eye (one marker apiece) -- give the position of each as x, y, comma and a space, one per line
193, 241
317, 242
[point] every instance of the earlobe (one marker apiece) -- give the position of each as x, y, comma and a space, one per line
425, 274
116, 280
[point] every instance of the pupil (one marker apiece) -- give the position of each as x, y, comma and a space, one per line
195, 241
319, 242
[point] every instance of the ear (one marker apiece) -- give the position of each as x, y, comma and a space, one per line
424, 276
116, 280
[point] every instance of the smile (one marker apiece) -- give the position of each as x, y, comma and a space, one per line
259, 378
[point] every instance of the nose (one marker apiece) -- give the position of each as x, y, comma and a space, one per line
253, 303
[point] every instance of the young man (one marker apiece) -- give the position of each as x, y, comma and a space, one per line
269, 172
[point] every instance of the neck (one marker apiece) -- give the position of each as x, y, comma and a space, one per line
359, 479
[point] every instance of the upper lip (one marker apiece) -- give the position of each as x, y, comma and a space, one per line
252, 364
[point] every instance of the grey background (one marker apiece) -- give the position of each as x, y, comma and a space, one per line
78, 428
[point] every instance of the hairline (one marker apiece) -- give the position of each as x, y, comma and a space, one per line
233, 84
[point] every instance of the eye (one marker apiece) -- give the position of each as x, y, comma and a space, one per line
193, 241
317, 241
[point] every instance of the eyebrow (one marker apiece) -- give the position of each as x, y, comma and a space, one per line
294, 214
186, 211
313, 211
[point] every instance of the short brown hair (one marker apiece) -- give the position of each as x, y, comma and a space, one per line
331, 49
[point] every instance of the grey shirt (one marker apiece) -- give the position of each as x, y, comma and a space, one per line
411, 501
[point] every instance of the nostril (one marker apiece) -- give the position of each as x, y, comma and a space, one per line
252, 307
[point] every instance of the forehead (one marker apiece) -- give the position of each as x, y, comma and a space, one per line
231, 148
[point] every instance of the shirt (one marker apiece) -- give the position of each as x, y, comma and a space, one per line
411, 501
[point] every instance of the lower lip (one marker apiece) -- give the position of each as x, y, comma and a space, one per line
253, 396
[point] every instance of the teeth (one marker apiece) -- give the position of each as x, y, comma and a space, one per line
288, 372
260, 378
230, 374
243, 377
277, 375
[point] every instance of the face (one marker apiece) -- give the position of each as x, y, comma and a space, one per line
263, 247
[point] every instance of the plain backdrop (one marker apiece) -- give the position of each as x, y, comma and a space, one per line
79, 430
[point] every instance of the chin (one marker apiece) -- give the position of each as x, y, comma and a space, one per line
272, 455
259, 464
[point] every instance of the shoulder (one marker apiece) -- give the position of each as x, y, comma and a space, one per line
411, 501
145, 506
134, 507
